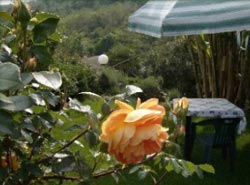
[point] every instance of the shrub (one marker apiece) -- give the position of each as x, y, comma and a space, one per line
43, 143
151, 87
78, 78
173, 93
112, 81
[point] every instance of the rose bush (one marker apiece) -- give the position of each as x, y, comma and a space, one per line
49, 138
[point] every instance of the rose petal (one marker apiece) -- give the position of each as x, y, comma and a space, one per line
150, 132
123, 105
139, 114
117, 137
149, 103
138, 103
114, 121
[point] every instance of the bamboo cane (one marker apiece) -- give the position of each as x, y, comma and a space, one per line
195, 68
213, 69
230, 74
202, 67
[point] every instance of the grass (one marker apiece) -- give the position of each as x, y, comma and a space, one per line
223, 176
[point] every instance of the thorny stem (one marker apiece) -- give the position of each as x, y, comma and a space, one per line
97, 175
62, 178
73, 140
161, 178
65, 146
115, 170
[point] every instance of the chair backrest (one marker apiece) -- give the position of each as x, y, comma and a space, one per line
225, 130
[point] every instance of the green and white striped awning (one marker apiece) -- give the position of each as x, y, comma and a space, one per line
189, 17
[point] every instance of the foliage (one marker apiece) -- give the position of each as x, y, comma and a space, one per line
223, 67
112, 81
71, 5
152, 87
93, 31
77, 78
46, 136
28, 37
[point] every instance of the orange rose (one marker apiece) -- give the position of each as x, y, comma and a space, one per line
133, 133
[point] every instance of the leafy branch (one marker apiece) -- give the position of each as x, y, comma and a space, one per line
64, 146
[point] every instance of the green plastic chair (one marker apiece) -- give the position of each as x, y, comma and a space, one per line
222, 134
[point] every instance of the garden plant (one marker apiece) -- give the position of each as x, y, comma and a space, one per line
47, 137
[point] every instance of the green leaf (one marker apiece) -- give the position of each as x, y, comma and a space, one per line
9, 76
66, 164
82, 166
46, 119
37, 99
142, 174
91, 94
10, 38
7, 49
56, 37
75, 127
26, 136
199, 172
76, 105
49, 138
23, 14
50, 98
134, 169
207, 168
175, 164
169, 167
4, 57
115, 177
45, 28
26, 78
185, 168
28, 125
93, 119
6, 125
91, 138
18, 103
41, 53
4, 98
43, 16
34, 169
49, 79
106, 109
190, 166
